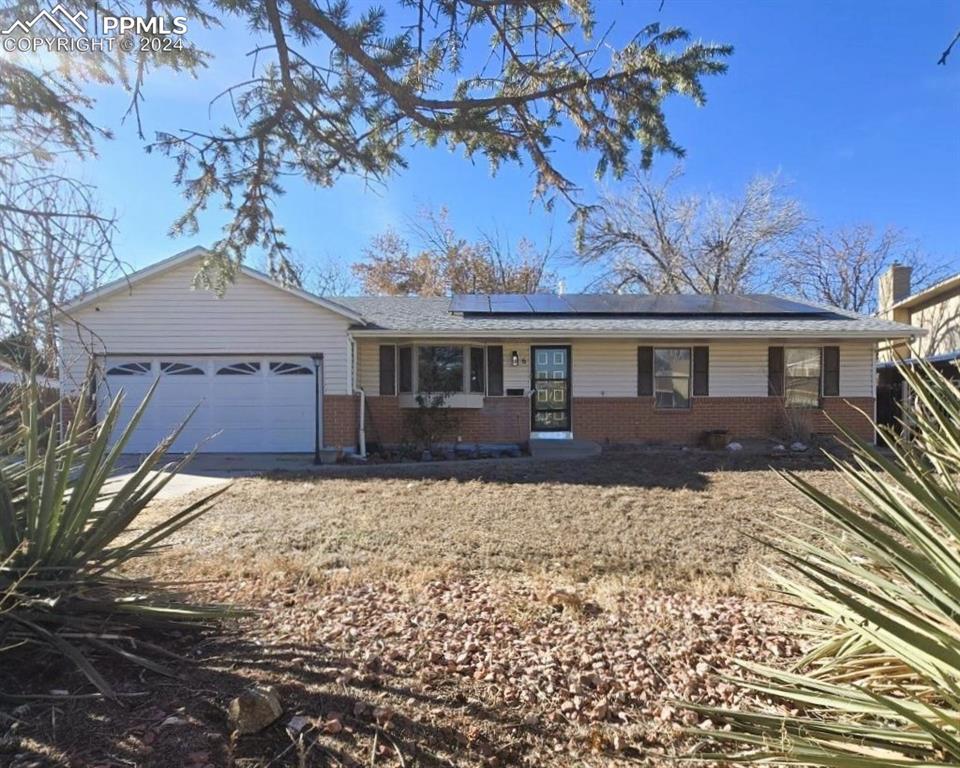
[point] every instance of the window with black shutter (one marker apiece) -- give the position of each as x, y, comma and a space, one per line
388, 369
775, 371
405, 365
831, 371
494, 371
701, 371
644, 371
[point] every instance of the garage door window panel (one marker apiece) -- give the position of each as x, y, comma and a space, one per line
129, 369
289, 369
239, 369
180, 369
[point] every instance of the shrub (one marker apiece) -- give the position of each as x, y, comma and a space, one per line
796, 425
879, 687
65, 532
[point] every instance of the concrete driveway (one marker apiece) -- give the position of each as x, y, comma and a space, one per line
208, 470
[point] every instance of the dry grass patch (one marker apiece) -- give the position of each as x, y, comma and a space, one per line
663, 520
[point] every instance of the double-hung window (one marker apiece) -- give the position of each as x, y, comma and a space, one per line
671, 377
802, 376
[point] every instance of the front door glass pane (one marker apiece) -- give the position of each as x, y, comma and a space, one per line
551, 389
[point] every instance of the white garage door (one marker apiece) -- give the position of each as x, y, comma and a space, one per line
245, 404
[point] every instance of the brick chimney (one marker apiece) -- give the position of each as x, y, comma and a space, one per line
893, 286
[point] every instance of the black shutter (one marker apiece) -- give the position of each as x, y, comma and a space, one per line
701, 371
388, 369
775, 371
831, 371
494, 371
644, 371
406, 369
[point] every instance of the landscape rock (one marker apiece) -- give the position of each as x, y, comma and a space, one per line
779, 448
297, 724
254, 709
734, 446
798, 447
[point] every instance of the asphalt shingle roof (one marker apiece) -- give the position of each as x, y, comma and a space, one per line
431, 315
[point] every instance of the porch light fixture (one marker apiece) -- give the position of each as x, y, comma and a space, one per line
317, 358
514, 358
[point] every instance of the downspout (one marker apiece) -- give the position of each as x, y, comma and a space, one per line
363, 433
357, 390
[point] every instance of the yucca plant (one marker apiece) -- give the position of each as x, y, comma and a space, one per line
881, 684
65, 530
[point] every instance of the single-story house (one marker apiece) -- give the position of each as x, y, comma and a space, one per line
276, 369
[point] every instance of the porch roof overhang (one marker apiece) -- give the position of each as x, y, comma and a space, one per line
633, 333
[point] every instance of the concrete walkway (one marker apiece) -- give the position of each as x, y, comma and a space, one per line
208, 470
564, 449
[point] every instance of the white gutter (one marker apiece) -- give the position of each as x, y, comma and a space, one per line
574, 333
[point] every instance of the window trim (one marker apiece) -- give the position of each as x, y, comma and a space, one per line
689, 378
414, 346
819, 377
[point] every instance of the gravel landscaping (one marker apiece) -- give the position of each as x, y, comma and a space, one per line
521, 613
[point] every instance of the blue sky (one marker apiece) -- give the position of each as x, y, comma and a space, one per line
844, 99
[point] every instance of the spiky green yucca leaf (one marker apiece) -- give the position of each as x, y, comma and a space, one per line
65, 529
881, 686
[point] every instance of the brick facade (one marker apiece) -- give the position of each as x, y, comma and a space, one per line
500, 420
340, 414
604, 419
634, 419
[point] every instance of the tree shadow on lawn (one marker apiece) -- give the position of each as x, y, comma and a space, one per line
668, 469
182, 721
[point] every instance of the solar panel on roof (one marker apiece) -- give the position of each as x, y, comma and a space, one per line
470, 303
631, 304
777, 305
586, 303
548, 303
510, 303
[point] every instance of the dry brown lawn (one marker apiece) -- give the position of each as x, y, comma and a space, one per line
469, 614
669, 520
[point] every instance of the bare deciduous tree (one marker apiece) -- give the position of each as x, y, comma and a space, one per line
651, 239
55, 243
444, 263
841, 267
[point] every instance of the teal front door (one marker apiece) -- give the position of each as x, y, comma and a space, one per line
551, 388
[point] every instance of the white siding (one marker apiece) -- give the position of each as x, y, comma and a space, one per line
604, 368
516, 377
368, 366
608, 368
738, 369
164, 314
858, 377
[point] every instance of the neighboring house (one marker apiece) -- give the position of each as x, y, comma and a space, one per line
936, 312
604, 368
935, 309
